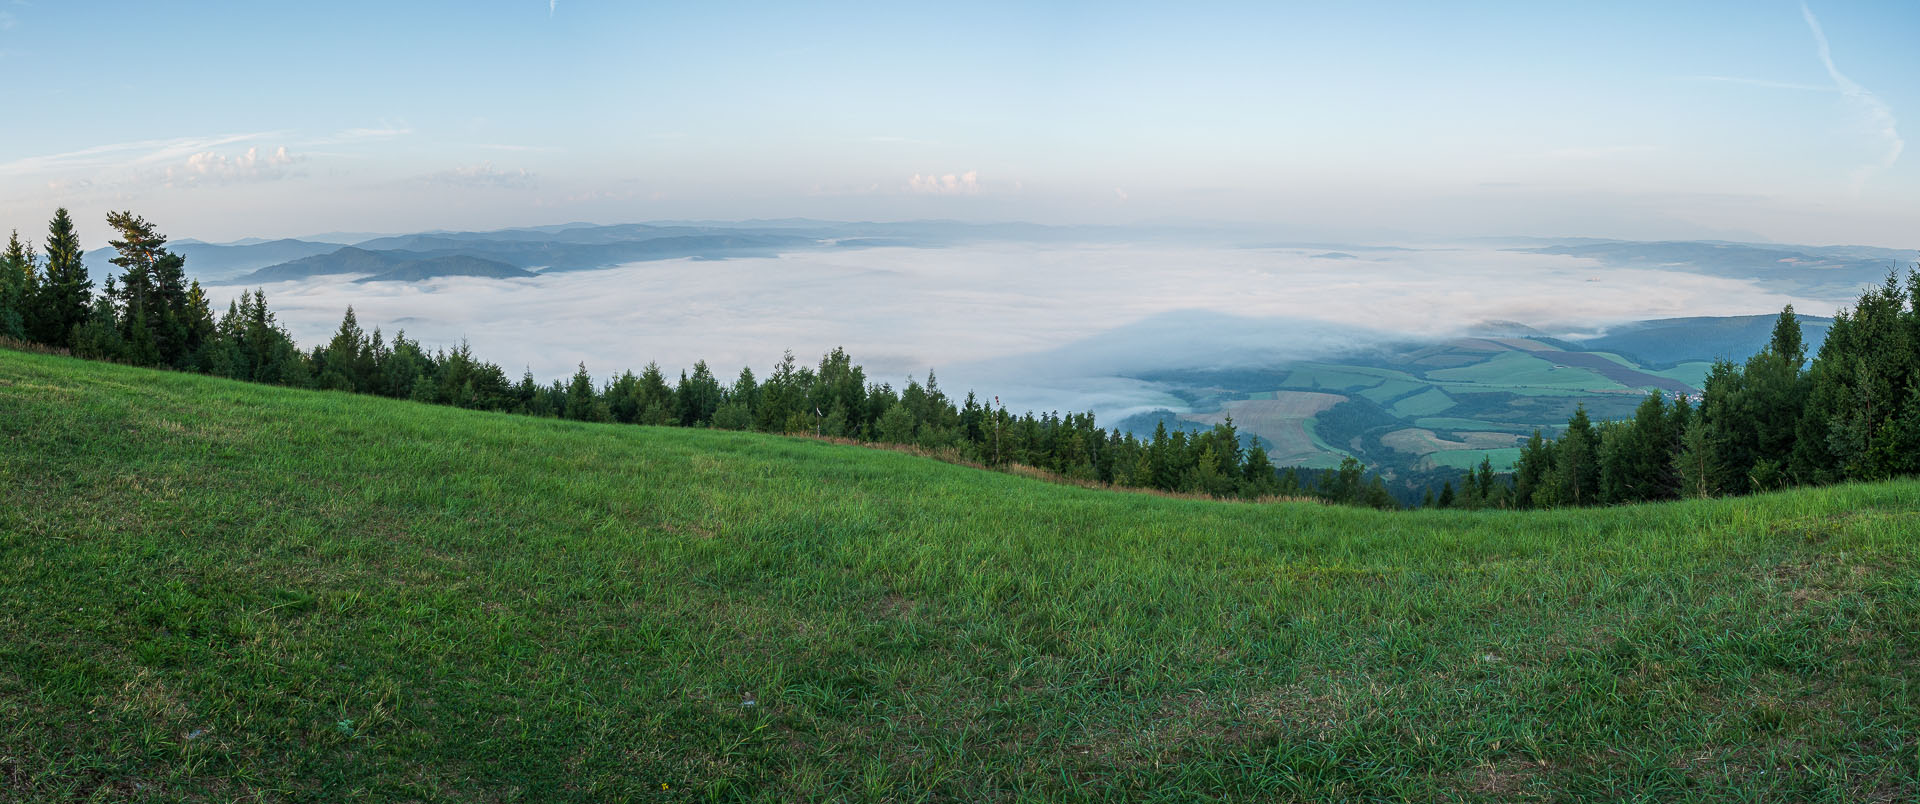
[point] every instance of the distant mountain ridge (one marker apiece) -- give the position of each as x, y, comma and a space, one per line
214, 262
383, 266
1825, 271
519, 252
455, 265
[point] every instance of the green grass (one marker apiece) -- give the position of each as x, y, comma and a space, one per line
1470, 425
1427, 403
1314, 377
215, 591
1517, 370
1390, 390
1693, 374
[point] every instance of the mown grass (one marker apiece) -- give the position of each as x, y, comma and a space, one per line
214, 591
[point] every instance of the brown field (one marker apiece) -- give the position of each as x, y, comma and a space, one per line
1423, 442
1281, 420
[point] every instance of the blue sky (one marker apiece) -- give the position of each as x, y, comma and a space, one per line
1360, 119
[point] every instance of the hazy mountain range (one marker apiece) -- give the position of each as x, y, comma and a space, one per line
526, 251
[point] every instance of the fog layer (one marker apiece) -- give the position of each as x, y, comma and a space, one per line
1042, 327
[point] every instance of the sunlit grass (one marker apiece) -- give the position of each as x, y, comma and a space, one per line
213, 591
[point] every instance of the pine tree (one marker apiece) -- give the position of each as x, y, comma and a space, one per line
17, 281
64, 296
99, 338
153, 294
1696, 464
1576, 477
1531, 488
652, 398
341, 364
1856, 423
1260, 480
582, 403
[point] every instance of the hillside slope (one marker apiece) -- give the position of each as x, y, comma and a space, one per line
216, 590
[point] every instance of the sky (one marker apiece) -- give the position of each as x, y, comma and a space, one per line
1748, 120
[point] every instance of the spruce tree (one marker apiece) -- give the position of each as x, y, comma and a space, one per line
17, 281
582, 403
1696, 465
1259, 473
1576, 475
64, 296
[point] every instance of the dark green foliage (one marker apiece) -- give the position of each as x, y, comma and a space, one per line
698, 396
1862, 420
582, 404
17, 282
152, 300
62, 298
1636, 457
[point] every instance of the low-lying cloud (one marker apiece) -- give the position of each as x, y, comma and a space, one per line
1043, 327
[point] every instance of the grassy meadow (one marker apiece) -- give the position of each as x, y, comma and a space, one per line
214, 591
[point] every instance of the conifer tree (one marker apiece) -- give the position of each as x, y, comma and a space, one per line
582, 403
1260, 479
1696, 464
1576, 469
64, 295
17, 281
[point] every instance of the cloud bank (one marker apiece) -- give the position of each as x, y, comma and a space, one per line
209, 167
1044, 327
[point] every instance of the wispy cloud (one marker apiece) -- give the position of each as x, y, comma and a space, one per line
7, 21
483, 175
136, 154
967, 183
1876, 118
551, 6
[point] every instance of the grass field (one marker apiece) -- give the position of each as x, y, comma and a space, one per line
215, 591
1518, 370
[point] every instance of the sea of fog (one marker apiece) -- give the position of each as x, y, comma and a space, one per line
1043, 327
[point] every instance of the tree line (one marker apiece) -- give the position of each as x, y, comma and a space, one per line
1854, 413
151, 314
1775, 421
